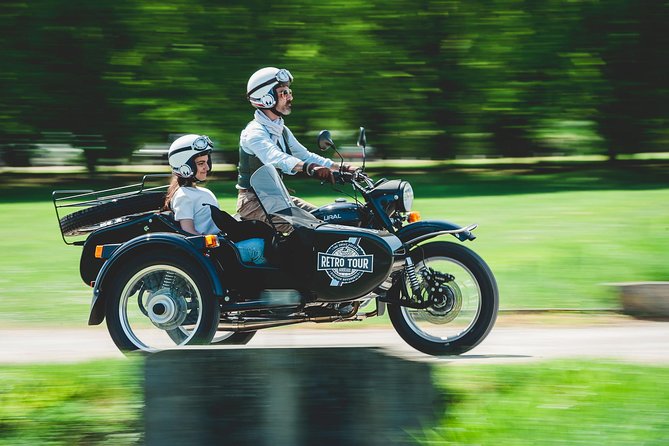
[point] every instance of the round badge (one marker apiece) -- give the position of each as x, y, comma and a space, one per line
345, 262
267, 100
185, 170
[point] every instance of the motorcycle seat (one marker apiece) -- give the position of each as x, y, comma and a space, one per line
237, 230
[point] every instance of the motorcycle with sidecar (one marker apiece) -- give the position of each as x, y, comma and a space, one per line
158, 287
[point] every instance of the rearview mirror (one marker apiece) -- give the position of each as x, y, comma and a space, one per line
324, 140
362, 139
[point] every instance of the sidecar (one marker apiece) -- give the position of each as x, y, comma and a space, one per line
158, 286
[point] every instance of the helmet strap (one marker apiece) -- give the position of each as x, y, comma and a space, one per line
271, 110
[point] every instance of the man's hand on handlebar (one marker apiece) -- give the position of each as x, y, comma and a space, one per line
349, 168
320, 172
323, 174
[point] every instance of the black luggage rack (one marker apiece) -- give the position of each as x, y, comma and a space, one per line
78, 201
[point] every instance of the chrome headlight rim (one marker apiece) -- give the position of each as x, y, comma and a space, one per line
407, 196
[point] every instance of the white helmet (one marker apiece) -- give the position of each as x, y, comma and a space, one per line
261, 85
183, 152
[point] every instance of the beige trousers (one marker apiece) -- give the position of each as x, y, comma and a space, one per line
248, 208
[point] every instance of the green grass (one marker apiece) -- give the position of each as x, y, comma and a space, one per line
557, 402
580, 403
84, 404
553, 235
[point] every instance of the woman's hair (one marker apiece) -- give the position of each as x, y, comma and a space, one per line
175, 184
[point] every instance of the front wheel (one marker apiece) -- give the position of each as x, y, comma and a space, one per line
153, 296
463, 300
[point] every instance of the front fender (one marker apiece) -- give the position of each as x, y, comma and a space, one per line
427, 229
176, 244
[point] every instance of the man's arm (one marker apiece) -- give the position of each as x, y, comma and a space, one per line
258, 142
304, 154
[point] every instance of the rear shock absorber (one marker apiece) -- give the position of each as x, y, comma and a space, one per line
410, 269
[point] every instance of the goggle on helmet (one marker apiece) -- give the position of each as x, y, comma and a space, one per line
184, 150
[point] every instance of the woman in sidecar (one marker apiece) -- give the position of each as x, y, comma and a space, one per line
190, 159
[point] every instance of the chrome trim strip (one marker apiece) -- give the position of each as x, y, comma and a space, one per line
446, 231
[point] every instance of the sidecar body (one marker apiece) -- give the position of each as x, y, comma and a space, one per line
317, 262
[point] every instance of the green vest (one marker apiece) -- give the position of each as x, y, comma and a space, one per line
250, 163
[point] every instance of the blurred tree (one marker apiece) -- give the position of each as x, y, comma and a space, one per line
428, 78
65, 52
632, 39
17, 134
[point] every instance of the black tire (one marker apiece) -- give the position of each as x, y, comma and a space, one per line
154, 294
224, 338
454, 335
84, 220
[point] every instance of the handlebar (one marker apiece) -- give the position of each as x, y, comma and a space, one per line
355, 178
348, 177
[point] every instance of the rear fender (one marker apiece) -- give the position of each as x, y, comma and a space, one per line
175, 244
427, 229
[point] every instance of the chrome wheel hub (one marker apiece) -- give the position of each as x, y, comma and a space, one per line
166, 310
447, 305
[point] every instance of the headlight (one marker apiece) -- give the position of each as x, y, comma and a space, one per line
407, 196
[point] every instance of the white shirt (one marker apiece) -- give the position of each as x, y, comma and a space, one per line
257, 140
188, 203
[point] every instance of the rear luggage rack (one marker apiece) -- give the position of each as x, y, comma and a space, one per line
85, 210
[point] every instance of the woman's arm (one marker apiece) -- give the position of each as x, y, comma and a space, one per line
188, 225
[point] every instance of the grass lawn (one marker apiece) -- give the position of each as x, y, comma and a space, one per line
553, 235
558, 402
581, 403
96, 403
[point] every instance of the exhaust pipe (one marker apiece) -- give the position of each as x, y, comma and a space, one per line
259, 325
253, 326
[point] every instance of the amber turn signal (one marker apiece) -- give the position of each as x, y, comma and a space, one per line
98, 251
413, 216
211, 241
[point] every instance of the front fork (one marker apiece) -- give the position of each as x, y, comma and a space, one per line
410, 271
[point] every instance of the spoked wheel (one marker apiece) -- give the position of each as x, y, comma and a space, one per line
153, 297
462, 296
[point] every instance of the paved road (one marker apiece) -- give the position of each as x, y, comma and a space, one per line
626, 339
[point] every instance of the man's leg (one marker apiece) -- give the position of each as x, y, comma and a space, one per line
248, 208
300, 203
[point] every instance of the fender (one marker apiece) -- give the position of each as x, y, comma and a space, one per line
177, 245
427, 229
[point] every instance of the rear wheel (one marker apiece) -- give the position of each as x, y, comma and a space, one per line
153, 296
463, 300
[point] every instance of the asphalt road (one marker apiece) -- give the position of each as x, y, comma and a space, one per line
511, 341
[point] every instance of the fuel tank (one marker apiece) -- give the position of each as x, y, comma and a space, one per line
340, 212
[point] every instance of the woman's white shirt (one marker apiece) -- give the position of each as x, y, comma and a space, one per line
190, 203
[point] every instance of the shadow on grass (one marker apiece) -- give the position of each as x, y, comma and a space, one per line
440, 182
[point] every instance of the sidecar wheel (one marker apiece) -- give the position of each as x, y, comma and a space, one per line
154, 295
467, 301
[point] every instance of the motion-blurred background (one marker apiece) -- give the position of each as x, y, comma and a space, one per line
543, 121
430, 79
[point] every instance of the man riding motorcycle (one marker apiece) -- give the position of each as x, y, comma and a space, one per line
267, 140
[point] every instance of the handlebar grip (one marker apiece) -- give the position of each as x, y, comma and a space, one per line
342, 177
